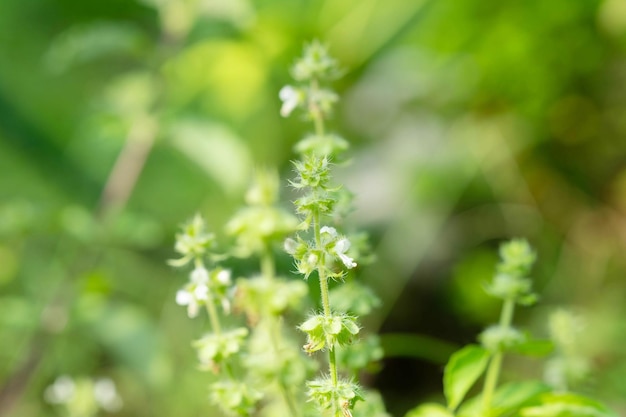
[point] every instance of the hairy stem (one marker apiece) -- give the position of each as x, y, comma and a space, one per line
318, 121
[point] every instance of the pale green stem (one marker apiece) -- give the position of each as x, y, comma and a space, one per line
318, 119
493, 371
210, 305
268, 270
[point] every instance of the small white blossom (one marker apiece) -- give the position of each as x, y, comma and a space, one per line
341, 247
106, 395
329, 230
201, 292
191, 296
61, 391
290, 246
223, 277
199, 275
291, 98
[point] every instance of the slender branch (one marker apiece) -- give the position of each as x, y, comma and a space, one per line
128, 166
493, 371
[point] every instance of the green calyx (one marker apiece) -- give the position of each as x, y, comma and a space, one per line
326, 332
341, 395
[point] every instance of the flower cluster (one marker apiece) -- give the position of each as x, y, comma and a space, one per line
84, 397
323, 331
511, 281
257, 362
307, 254
512, 285
208, 288
314, 66
196, 292
318, 247
261, 369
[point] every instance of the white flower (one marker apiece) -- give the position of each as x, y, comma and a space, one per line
330, 231
61, 391
192, 296
291, 98
201, 292
199, 275
223, 277
341, 247
290, 246
106, 395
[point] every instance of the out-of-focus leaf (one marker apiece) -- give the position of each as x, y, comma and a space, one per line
462, 371
429, 410
226, 77
507, 398
416, 346
534, 347
128, 334
567, 405
88, 42
217, 150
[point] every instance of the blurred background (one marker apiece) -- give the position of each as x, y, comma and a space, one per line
471, 122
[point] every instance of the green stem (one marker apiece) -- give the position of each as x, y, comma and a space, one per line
215, 321
493, 371
318, 121
321, 271
210, 305
268, 270
316, 112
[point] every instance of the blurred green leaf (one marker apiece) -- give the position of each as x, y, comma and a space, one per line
507, 399
87, 42
430, 410
462, 371
129, 334
217, 150
567, 405
534, 347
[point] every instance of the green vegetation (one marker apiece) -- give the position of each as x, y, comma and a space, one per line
469, 124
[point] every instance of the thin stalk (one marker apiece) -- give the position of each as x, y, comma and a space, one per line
332, 359
215, 321
210, 306
268, 270
318, 121
493, 371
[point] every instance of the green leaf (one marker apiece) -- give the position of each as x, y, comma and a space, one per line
462, 371
429, 410
508, 398
534, 347
567, 405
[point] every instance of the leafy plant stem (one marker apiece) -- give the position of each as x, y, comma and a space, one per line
268, 268
493, 370
332, 360
318, 119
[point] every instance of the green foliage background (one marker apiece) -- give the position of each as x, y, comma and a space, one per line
471, 122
